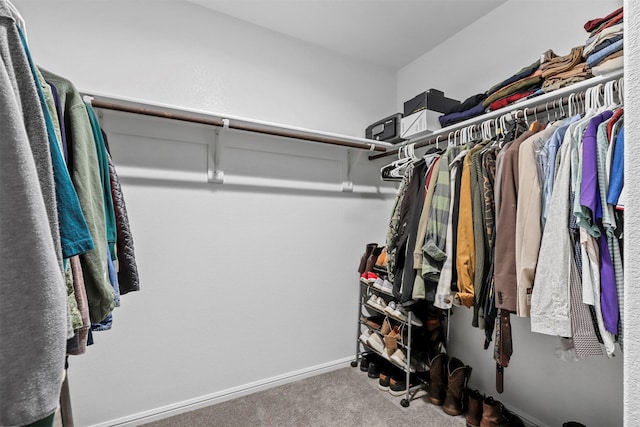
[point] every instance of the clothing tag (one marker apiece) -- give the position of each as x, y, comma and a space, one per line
529, 293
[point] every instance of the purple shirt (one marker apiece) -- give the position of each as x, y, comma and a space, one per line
589, 191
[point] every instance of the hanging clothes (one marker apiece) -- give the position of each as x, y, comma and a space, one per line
83, 164
32, 290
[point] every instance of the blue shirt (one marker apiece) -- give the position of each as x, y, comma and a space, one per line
616, 178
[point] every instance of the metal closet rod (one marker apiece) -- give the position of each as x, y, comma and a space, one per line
234, 124
516, 111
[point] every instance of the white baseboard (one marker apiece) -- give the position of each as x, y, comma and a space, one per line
224, 395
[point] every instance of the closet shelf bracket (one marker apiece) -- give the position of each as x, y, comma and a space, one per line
214, 174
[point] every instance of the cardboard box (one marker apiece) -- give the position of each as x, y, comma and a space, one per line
418, 124
431, 99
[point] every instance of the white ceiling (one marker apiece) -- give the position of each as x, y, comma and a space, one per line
389, 33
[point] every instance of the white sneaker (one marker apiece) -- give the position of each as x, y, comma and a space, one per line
390, 308
399, 314
375, 342
382, 304
373, 302
378, 283
365, 336
399, 357
387, 287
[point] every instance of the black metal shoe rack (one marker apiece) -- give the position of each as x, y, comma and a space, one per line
366, 291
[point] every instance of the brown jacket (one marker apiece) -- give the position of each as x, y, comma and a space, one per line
505, 249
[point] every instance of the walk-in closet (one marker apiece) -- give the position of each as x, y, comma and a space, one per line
281, 212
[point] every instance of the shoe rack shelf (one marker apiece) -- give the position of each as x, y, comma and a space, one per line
367, 292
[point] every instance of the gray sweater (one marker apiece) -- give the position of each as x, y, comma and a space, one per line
33, 314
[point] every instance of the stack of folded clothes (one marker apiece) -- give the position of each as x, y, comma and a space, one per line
521, 85
602, 53
561, 71
603, 49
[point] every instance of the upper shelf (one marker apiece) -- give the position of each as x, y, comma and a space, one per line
192, 115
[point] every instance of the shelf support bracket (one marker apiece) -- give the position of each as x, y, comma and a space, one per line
214, 174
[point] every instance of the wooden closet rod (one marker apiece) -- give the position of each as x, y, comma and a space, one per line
517, 111
235, 124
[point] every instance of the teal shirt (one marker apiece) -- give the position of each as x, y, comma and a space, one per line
74, 232
103, 160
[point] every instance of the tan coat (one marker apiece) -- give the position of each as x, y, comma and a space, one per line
528, 229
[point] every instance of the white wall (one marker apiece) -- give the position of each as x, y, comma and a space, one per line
241, 285
537, 383
179, 53
632, 219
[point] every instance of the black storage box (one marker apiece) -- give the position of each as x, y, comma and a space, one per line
387, 129
432, 99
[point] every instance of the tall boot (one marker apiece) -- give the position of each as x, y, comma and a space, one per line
458, 373
367, 253
474, 411
371, 261
494, 414
437, 378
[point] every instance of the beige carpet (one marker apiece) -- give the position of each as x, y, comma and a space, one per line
345, 397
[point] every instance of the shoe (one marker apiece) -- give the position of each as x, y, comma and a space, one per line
393, 310
398, 388
437, 378
415, 321
364, 362
458, 375
374, 370
390, 309
378, 283
383, 382
381, 262
368, 278
381, 303
494, 414
399, 357
391, 340
367, 253
372, 322
387, 287
375, 342
365, 336
371, 261
373, 302
474, 411
386, 327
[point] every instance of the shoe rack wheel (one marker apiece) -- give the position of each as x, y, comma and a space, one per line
354, 363
404, 403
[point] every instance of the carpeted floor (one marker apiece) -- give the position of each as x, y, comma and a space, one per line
345, 397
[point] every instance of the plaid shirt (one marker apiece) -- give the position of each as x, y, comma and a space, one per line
436, 236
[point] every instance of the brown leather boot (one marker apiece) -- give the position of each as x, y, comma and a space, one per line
458, 373
494, 414
367, 253
371, 261
437, 378
474, 411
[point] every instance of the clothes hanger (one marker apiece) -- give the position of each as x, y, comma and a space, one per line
393, 171
621, 90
